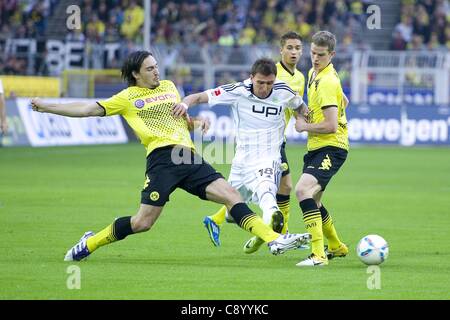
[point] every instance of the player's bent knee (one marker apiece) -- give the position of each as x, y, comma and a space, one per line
145, 218
232, 196
285, 187
286, 180
303, 192
221, 191
307, 191
140, 225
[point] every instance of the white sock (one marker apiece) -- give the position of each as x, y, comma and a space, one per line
266, 192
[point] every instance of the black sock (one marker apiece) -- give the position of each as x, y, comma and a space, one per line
122, 227
239, 212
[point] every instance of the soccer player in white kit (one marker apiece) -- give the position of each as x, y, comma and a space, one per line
257, 105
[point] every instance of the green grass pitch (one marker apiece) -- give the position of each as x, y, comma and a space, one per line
50, 196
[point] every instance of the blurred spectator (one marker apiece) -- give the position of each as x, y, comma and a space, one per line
226, 39
398, 43
433, 43
416, 43
14, 66
405, 28
112, 32
102, 12
304, 28
38, 16
95, 27
447, 34
133, 20
247, 36
422, 23
430, 19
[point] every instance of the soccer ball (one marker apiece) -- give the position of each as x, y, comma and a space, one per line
372, 249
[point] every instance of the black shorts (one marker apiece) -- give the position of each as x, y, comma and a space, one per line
323, 163
186, 170
284, 161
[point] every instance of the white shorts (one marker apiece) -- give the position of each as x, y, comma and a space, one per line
246, 179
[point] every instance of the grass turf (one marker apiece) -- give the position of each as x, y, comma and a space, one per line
50, 196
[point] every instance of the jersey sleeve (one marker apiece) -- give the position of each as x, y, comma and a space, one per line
327, 94
295, 102
117, 104
221, 95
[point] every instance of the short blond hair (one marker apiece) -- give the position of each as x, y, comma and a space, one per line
325, 39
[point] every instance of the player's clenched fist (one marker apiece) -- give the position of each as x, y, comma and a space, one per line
37, 104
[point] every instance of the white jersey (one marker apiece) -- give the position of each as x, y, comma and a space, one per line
259, 123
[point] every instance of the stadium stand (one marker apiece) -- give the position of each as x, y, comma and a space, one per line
228, 23
201, 43
423, 25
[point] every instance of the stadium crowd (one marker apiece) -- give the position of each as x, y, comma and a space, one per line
22, 19
227, 22
424, 25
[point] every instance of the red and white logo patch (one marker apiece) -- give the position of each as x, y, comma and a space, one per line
217, 92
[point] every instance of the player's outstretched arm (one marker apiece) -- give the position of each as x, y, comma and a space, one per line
180, 109
74, 109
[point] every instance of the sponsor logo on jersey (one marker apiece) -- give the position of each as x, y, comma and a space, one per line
139, 103
162, 97
267, 111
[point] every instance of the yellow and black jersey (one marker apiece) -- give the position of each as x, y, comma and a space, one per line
296, 81
148, 112
324, 91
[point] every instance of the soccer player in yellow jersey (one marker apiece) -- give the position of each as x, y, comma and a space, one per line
291, 52
327, 149
148, 107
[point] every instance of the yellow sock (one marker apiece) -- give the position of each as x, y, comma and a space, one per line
118, 230
283, 204
257, 227
219, 216
313, 224
103, 237
328, 230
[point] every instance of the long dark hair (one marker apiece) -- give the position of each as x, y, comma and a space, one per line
133, 63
